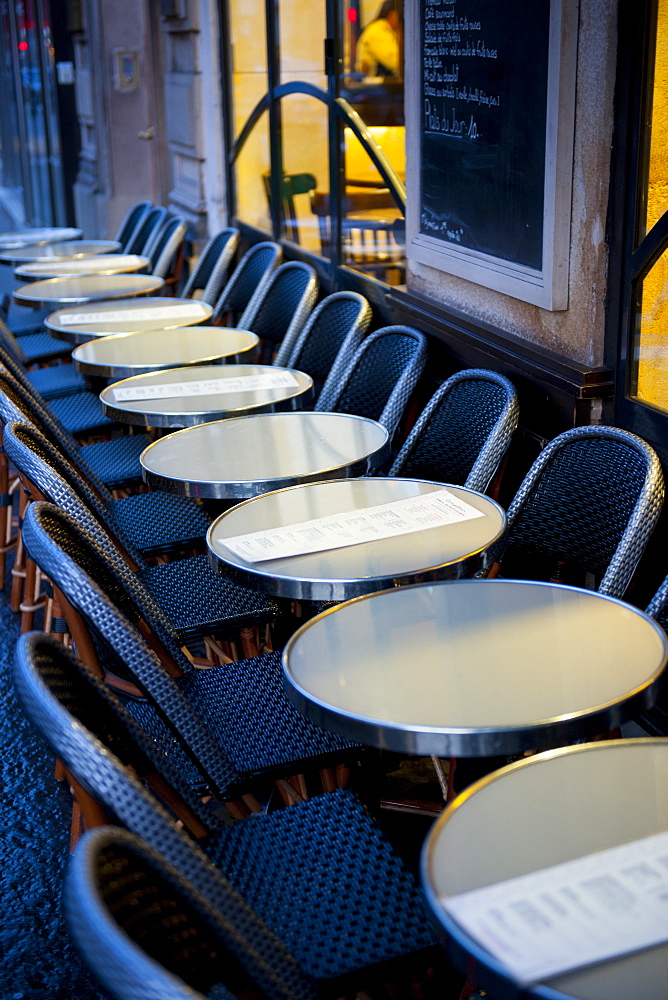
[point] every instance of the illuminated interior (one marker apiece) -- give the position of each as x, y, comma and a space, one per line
651, 349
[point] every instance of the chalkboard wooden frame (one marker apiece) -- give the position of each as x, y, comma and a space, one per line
548, 286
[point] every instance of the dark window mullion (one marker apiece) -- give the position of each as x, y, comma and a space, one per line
275, 119
333, 68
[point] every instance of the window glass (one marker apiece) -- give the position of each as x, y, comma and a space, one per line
657, 181
373, 227
249, 85
305, 202
650, 355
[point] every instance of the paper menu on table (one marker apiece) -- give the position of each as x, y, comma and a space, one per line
574, 914
207, 387
388, 520
124, 315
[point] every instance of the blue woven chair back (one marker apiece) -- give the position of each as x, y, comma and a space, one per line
334, 329
74, 549
145, 232
282, 307
248, 279
10, 344
127, 801
143, 930
131, 222
211, 269
164, 251
463, 432
380, 377
658, 606
589, 504
17, 403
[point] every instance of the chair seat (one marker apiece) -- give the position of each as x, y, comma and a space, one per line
199, 602
156, 522
41, 347
247, 712
116, 462
59, 380
325, 879
81, 413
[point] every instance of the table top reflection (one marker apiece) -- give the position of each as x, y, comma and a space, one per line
76, 291
79, 324
63, 250
36, 237
546, 810
244, 457
471, 668
111, 263
337, 574
184, 397
124, 354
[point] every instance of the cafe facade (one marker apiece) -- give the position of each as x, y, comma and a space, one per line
503, 186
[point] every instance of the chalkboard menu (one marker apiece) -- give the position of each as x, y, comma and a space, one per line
483, 89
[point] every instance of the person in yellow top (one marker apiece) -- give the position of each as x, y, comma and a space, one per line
378, 51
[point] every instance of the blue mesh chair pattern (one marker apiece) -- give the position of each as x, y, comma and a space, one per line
150, 523
658, 606
320, 876
51, 382
588, 505
146, 230
230, 730
165, 251
133, 219
335, 328
186, 595
113, 463
463, 432
279, 310
34, 347
378, 379
209, 274
141, 927
248, 279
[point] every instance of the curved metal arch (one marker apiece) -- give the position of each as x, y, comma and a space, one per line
650, 249
348, 115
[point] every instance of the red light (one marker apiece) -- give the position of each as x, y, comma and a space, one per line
352, 15
23, 46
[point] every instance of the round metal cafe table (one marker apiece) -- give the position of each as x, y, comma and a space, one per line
75, 291
79, 324
123, 354
64, 250
244, 457
191, 396
476, 668
542, 811
36, 237
110, 263
335, 574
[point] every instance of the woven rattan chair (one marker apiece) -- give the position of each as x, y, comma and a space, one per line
165, 251
658, 606
279, 310
133, 219
378, 379
587, 506
207, 278
248, 279
463, 432
34, 347
113, 463
51, 383
320, 875
194, 600
335, 328
141, 927
145, 232
150, 523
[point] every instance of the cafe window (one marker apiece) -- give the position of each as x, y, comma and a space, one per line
639, 227
318, 147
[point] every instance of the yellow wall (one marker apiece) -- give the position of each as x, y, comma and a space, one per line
652, 348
